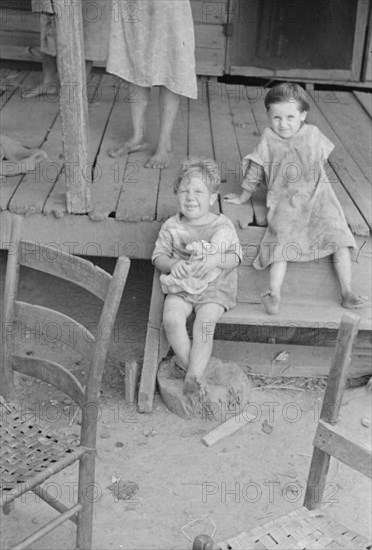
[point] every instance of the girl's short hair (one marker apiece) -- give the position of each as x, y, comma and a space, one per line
206, 168
287, 91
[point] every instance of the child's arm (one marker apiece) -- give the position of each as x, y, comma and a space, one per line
252, 179
217, 255
165, 264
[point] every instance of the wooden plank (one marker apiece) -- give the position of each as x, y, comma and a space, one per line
247, 133
209, 62
336, 441
228, 428
36, 186
80, 235
10, 82
210, 36
289, 360
74, 107
139, 190
313, 75
360, 35
347, 171
209, 12
365, 99
200, 132
351, 124
167, 201
307, 314
227, 152
110, 120
30, 126
150, 359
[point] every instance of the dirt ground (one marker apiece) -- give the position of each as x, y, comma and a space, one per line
175, 486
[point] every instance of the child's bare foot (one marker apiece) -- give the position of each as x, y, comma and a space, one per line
271, 301
129, 146
192, 385
354, 301
160, 159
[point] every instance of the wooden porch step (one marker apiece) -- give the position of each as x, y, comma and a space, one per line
310, 300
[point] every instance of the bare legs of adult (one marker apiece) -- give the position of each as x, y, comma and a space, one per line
138, 109
169, 102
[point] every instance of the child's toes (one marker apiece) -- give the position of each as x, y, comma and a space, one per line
271, 302
354, 301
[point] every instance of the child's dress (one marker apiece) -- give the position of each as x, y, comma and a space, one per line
305, 220
173, 238
152, 44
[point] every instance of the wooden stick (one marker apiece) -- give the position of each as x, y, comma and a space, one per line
131, 380
227, 428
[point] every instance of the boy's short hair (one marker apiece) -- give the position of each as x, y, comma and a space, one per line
207, 168
287, 91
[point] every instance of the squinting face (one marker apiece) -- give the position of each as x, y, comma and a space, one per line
286, 118
195, 199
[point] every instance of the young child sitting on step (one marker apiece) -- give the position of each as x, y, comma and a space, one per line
196, 189
302, 208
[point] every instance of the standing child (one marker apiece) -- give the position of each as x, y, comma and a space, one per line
302, 207
96, 21
196, 188
152, 44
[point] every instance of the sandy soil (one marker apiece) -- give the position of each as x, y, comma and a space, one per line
170, 477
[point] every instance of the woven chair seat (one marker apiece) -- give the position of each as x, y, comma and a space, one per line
29, 448
302, 529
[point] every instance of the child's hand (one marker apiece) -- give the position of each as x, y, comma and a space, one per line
180, 269
202, 268
233, 198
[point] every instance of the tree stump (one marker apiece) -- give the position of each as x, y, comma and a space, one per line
226, 389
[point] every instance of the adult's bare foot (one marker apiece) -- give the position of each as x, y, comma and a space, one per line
271, 301
50, 89
354, 301
129, 146
160, 159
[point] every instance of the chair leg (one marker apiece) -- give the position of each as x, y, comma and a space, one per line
317, 479
87, 495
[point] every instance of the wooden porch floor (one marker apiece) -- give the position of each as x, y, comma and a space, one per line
131, 201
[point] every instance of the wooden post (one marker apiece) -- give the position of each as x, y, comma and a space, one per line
73, 103
331, 404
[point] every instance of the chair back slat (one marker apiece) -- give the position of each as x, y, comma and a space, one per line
65, 266
51, 373
48, 326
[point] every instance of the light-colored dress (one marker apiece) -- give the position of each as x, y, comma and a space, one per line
152, 44
96, 24
173, 238
305, 219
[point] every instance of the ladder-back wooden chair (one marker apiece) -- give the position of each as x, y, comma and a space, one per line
31, 452
308, 527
